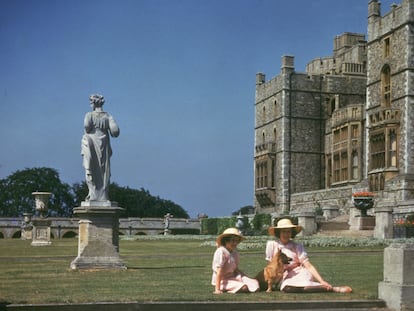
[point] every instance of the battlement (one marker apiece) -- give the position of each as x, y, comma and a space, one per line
381, 25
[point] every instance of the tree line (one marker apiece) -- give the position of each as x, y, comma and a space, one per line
16, 196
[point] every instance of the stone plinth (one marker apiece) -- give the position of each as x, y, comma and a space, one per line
27, 227
27, 232
397, 289
41, 232
383, 223
308, 223
363, 223
98, 246
358, 222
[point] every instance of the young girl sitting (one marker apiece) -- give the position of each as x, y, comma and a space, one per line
226, 274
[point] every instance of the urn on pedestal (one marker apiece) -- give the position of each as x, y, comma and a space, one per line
363, 201
41, 225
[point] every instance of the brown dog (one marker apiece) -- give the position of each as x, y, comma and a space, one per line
273, 272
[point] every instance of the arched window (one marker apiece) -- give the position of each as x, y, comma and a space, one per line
386, 86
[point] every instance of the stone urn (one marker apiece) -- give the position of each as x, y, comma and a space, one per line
41, 202
27, 218
240, 223
363, 201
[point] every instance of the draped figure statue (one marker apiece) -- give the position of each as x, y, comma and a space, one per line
96, 149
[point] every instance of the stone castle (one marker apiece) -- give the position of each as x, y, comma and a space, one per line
344, 125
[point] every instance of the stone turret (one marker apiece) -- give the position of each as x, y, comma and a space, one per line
260, 78
288, 64
374, 9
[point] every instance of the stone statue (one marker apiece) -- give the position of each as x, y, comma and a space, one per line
96, 149
167, 219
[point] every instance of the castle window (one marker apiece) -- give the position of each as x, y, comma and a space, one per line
261, 174
386, 47
377, 147
264, 114
344, 166
333, 105
337, 168
355, 165
329, 171
340, 157
386, 86
355, 131
392, 150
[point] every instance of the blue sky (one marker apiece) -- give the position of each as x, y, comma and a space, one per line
177, 75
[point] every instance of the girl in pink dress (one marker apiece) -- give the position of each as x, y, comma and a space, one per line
300, 275
226, 274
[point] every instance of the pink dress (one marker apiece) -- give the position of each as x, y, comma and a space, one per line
295, 273
232, 280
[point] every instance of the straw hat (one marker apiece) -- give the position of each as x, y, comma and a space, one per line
229, 232
285, 223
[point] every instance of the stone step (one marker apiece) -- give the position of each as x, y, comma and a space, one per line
346, 233
325, 305
333, 226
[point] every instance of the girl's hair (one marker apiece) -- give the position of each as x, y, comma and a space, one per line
228, 238
294, 233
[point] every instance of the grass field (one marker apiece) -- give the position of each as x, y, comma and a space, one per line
166, 269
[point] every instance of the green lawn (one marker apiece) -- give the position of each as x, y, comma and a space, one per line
166, 269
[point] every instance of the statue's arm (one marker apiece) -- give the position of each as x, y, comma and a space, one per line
113, 127
87, 123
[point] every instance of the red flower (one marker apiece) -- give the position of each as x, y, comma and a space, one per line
363, 194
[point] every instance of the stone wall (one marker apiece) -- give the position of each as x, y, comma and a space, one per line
11, 227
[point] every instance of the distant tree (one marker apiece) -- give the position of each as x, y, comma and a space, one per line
245, 210
80, 191
16, 196
137, 203
16, 192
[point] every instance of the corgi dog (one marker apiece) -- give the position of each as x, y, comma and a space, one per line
273, 272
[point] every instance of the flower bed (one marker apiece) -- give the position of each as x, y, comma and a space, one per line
404, 228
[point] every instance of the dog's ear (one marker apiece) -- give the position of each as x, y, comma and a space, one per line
285, 258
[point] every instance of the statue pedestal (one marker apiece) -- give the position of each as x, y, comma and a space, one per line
357, 221
397, 288
98, 246
363, 223
41, 232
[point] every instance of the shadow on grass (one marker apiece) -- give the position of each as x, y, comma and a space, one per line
3, 305
161, 268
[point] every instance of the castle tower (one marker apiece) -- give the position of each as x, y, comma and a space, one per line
343, 125
390, 101
309, 125
288, 137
